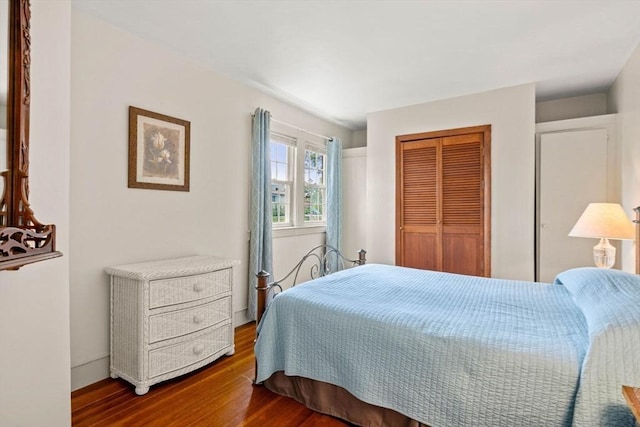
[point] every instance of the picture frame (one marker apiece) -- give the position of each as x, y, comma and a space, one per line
158, 151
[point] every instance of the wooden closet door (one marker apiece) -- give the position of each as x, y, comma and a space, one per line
462, 205
417, 167
442, 201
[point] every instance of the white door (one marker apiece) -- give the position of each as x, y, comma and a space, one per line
354, 200
572, 174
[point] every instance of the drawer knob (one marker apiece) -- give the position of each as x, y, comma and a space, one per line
198, 287
198, 349
197, 319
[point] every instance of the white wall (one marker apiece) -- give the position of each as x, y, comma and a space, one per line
624, 99
112, 224
571, 108
34, 301
288, 249
510, 112
359, 139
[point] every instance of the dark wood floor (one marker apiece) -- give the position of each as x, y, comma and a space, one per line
221, 394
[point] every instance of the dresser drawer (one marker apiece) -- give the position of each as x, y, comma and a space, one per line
188, 288
182, 322
181, 355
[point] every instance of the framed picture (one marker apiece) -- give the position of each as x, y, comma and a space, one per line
158, 151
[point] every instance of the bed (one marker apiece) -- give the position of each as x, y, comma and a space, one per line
389, 346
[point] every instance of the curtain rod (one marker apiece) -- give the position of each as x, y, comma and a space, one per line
328, 138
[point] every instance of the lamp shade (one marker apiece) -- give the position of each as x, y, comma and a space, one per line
603, 220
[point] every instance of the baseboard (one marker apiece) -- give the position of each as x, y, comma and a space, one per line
97, 370
89, 373
240, 318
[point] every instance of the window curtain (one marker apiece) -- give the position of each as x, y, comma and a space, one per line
334, 194
260, 245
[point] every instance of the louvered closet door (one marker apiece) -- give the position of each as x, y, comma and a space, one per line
462, 213
419, 193
441, 187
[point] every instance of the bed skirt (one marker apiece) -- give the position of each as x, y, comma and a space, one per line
332, 400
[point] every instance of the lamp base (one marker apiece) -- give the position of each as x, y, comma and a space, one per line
604, 255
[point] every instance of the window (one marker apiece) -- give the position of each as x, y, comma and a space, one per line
298, 180
314, 186
282, 160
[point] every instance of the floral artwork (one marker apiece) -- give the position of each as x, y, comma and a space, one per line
161, 152
158, 151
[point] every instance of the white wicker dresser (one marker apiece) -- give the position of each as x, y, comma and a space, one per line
169, 317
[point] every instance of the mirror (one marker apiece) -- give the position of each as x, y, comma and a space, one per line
23, 240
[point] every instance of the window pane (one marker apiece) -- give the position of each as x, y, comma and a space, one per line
280, 203
282, 153
280, 161
314, 202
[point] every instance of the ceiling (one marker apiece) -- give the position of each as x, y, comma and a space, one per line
344, 59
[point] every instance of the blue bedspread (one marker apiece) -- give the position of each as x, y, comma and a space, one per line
610, 302
443, 349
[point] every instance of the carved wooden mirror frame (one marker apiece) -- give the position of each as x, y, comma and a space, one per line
23, 240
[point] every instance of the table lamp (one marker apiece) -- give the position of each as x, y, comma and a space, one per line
604, 221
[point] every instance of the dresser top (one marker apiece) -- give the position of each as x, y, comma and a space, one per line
173, 267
